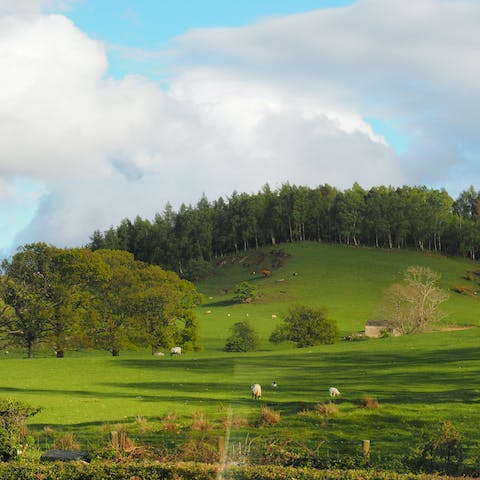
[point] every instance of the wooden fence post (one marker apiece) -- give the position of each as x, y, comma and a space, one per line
221, 448
366, 448
123, 443
114, 440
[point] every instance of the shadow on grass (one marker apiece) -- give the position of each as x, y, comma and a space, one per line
430, 376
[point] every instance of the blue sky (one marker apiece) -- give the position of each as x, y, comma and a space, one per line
152, 24
112, 108
149, 24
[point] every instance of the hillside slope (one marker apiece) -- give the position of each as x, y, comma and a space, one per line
348, 281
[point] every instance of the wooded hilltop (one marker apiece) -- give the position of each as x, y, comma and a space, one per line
405, 217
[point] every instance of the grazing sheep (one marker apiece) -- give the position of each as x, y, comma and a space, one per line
274, 384
334, 392
176, 351
256, 389
274, 316
159, 354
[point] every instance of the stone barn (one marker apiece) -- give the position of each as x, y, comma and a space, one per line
378, 328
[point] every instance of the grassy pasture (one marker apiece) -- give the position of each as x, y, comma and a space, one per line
418, 380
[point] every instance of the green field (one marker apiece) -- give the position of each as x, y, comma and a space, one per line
418, 380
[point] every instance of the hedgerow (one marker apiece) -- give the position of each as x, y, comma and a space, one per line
191, 471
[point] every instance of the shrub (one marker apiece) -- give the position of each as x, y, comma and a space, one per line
243, 338
245, 292
197, 450
440, 451
13, 429
268, 417
200, 422
306, 326
368, 402
169, 423
236, 422
142, 424
66, 441
327, 409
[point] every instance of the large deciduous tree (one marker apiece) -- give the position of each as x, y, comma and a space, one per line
44, 287
414, 304
163, 305
137, 303
72, 297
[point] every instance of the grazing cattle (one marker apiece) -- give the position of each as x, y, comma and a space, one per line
176, 351
334, 392
256, 389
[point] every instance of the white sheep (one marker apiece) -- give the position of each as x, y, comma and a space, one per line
176, 351
334, 392
256, 389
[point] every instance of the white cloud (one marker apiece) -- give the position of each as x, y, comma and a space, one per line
33, 6
281, 100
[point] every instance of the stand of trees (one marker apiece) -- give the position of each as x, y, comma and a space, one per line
386, 217
73, 298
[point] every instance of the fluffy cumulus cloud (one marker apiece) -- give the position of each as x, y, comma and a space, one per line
285, 99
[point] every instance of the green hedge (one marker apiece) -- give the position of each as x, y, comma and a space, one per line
189, 471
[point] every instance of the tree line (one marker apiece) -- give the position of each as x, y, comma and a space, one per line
76, 298
186, 240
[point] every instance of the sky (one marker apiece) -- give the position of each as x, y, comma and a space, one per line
109, 109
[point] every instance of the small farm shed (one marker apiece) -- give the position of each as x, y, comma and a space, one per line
377, 328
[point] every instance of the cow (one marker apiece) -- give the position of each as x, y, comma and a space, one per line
256, 389
176, 351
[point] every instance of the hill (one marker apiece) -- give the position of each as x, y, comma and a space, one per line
348, 281
419, 381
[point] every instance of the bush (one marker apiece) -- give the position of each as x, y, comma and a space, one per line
368, 402
243, 338
13, 429
66, 441
245, 292
327, 409
268, 417
440, 451
306, 326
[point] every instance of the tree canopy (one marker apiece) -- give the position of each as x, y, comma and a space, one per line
404, 217
306, 326
414, 304
242, 338
68, 298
